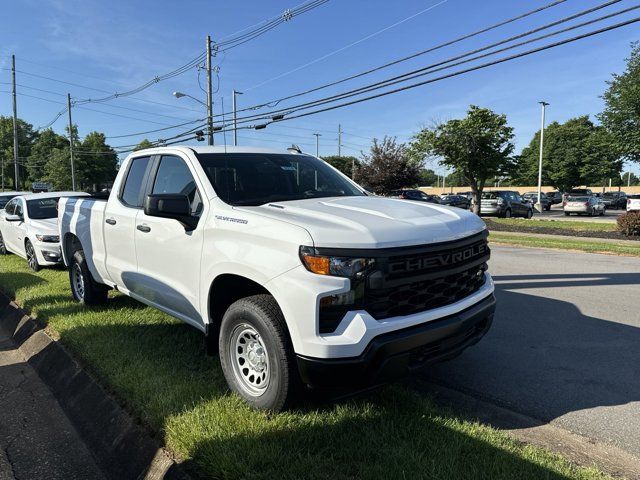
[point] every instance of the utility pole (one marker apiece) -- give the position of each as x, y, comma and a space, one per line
209, 93
235, 124
629, 178
544, 105
317, 135
15, 125
339, 140
73, 173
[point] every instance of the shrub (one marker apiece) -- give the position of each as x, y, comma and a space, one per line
629, 223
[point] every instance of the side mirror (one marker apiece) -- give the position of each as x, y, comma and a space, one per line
169, 205
13, 218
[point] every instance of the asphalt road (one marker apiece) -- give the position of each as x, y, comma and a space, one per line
565, 344
36, 438
557, 213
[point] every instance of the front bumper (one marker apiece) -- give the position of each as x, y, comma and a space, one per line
492, 210
48, 253
401, 352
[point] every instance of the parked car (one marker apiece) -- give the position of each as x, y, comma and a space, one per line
532, 198
614, 200
577, 192
459, 201
414, 195
29, 228
505, 203
6, 196
291, 272
555, 197
468, 195
583, 205
633, 203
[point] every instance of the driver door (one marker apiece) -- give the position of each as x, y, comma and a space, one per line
9, 228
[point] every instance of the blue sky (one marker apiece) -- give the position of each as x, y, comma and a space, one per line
117, 45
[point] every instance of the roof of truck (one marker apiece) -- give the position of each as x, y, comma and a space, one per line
218, 149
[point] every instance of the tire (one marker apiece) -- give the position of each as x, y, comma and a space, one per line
507, 213
529, 214
269, 380
602, 212
3, 247
548, 209
84, 288
32, 258
566, 214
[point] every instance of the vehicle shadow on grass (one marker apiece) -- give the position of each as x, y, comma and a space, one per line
11, 281
545, 358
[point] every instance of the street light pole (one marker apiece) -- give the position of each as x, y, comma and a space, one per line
317, 135
15, 124
539, 205
235, 123
73, 173
339, 140
209, 93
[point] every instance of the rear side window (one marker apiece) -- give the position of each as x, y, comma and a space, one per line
131, 193
175, 177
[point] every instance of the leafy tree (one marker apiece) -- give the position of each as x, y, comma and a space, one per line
576, 152
478, 147
387, 167
143, 144
345, 164
26, 136
57, 170
621, 115
625, 180
97, 161
41, 149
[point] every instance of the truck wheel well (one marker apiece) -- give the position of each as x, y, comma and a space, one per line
71, 244
225, 290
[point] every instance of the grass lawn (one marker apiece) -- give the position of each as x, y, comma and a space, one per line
576, 226
156, 366
578, 244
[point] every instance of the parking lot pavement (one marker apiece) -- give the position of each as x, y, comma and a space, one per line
36, 439
565, 344
557, 213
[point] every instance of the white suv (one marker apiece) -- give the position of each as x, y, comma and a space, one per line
292, 272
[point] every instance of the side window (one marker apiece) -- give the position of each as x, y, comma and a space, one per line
174, 177
18, 210
131, 193
10, 208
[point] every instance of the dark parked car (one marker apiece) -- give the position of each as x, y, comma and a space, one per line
532, 198
505, 203
459, 201
414, 195
615, 200
555, 197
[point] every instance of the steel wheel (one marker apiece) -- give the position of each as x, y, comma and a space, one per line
77, 281
250, 359
32, 260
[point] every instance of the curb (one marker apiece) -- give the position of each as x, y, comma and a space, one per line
122, 448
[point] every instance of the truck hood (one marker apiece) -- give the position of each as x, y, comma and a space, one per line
47, 226
373, 222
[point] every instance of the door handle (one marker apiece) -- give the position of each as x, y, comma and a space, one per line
143, 228
111, 221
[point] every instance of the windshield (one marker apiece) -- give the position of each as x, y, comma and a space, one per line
259, 178
489, 195
43, 208
578, 199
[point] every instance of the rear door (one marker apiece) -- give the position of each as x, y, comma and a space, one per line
120, 224
168, 253
8, 228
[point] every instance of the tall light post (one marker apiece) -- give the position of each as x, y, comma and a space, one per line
235, 122
317, 135
16, 179
538, 205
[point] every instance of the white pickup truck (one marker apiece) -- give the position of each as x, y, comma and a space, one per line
296, 276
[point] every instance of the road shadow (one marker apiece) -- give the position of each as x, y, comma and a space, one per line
544, 357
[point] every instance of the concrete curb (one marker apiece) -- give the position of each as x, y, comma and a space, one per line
122, 448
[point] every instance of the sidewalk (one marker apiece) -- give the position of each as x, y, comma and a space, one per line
37, 441
572, 238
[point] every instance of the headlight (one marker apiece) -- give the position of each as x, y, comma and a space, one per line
47, 238
336, 266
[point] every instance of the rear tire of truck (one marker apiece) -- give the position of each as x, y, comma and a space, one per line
256, 354
84, 288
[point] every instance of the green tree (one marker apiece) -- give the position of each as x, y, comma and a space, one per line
57, 169
478, 147
345, 164
576, 152
41, 149
96, 162
428, 178
26, 136
387, 167
621, 115
143, 144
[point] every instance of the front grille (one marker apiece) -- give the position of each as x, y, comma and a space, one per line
415, 297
